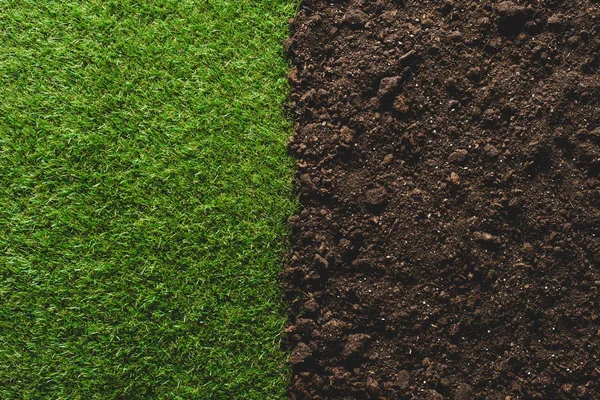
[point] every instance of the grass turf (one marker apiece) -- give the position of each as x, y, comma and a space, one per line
143, 191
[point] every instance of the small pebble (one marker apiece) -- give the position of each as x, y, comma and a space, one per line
454, 178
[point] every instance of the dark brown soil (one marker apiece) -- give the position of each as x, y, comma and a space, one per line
448, 166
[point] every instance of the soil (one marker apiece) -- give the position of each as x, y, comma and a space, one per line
448, 244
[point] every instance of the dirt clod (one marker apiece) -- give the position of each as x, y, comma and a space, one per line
354, 344
464, 392
402, 379
388, 87
356, 17
491, 150
510, 9
300, 354
459, 156
376, 197
321, 262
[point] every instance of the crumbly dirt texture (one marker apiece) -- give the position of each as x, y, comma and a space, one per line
448, 168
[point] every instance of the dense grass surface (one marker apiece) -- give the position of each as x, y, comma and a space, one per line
143, 192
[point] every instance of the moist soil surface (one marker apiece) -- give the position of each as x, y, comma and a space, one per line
448, 169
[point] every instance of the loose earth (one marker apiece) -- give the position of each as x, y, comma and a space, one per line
448, 169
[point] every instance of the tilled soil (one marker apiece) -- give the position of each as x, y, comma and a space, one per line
448, 168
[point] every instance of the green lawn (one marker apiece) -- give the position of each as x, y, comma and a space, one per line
144, 187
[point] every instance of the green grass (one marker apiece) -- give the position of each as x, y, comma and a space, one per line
144, 186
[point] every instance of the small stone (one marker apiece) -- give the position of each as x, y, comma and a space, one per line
454, 178
459, 156
464, 392
300, 354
